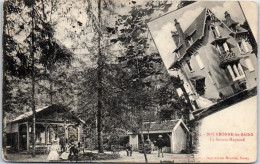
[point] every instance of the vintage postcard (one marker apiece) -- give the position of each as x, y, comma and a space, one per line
129, 81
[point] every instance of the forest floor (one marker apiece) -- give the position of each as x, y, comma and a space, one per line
136, 157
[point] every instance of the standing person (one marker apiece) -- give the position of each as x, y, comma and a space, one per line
160, 144
129, 150
54, 155
73, 150
62, 144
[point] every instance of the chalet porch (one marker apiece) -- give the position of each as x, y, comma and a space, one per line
52, 123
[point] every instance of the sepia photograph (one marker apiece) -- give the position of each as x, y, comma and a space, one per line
129, 81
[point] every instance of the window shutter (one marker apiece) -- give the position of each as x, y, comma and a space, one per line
240, 70
199, 61
217, 31
219, 49
249, 64
245, 46
236, 70
226, 47
231, 72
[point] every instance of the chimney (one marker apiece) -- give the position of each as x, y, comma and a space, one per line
180, 32
175, 37
227, 16
230, 21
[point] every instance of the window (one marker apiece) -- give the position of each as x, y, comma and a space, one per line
199, 84
199, 61
236, 71
249, 64
215, 31
242, 46
223, 48
189, 65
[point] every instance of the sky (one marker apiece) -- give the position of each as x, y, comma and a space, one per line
161, 27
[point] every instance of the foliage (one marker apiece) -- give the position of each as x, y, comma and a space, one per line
134, 83
19, 28
184, 3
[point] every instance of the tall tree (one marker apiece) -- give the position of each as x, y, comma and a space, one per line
99, 82
140, 64
24, 54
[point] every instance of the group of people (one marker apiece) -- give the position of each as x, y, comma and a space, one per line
61, 150
159, 143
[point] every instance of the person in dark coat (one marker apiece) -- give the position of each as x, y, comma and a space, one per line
160, 144
129, 150
62, 144
74, 152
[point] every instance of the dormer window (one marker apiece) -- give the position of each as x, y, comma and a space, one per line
178, 53
189, 38
190, 41
215, 31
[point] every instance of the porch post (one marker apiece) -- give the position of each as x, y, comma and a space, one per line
170, 136
27, 136
18, 138
172, 142
46, 134
66, 132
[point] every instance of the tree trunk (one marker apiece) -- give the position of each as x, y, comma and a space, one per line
99, 82
33, 83
51, 91
142, 139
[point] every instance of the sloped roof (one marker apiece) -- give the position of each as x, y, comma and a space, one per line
165, 126
196, 29
197, 25
238, 28
28, 114
41, 110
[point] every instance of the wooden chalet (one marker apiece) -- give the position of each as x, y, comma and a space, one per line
174, 133
52, 123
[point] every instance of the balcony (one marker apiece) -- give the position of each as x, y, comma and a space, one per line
219, 40
228, 57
